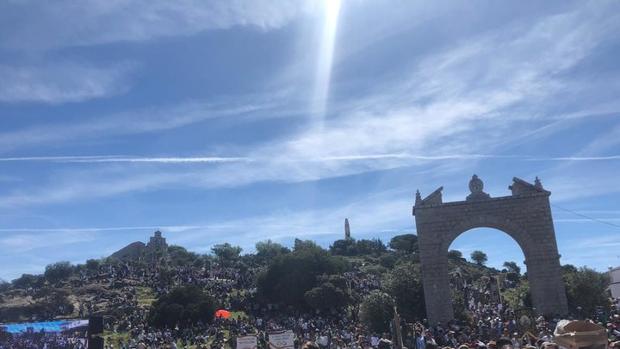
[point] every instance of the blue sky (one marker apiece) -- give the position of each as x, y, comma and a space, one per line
239, 121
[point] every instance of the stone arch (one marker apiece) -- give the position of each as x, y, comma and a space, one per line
525, 216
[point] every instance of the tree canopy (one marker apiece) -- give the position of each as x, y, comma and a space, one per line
187, 305
585, 290
404, 284
377, 310
289, 276
406, 243
266, 250
479, 257
58, 271
226, 252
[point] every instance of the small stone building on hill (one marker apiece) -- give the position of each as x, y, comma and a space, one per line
154, 252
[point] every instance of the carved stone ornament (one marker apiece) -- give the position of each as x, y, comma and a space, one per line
476, 186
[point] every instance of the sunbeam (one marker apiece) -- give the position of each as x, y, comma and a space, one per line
325, 60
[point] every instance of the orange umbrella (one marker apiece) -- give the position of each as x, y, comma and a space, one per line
222, 314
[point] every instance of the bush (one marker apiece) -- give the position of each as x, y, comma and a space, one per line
27, 281
58, 271
377, 310
586, 289
404, 284
406, 243
290, 276
183, 306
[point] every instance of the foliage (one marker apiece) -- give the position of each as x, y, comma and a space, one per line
58, 271
518, 297
183, 306
455, 255
585, 288
352, 247
374, 247
179, 256
92, 265
479, 257
4, 286
512, 267
27, 281
305, 245
327, 295
226, 252
458, 304
291, 275
404, 284
388, 260
377, 310
344, 247
267, 250
406, 243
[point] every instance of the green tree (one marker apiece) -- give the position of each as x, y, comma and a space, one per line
27, 281
404, 285
377, 310
367, 247
344, 247
305, 245
328, 296
92, 265
179, 256
406, 243
288, 277
226, 252
183, 306
455, 255
4, 286
512, 267
479, 257
267, 250
586, 289
58, 271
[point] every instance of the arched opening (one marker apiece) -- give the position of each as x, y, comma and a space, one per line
496, 244
486, 274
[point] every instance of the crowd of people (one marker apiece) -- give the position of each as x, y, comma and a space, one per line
45, 340
489, 322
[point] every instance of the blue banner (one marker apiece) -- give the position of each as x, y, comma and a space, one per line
46, 326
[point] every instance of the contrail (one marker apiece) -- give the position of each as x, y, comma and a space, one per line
124, 158
345, 157
578, 158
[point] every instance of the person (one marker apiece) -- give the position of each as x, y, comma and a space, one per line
310, 345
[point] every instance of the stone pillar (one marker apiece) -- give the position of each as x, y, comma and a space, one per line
437, 289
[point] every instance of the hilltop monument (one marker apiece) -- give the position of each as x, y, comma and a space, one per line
153, 252
156, 249
525, 216
347, 229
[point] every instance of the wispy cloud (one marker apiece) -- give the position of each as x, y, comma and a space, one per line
61, 82
353, 157
121, 159
453, 107
34, 25
30, 241
144, 120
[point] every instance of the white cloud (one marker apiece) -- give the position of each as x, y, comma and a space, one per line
61, 83
145, 120
29, 241
456, 105
31, 24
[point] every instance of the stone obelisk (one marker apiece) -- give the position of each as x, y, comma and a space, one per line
347, 229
